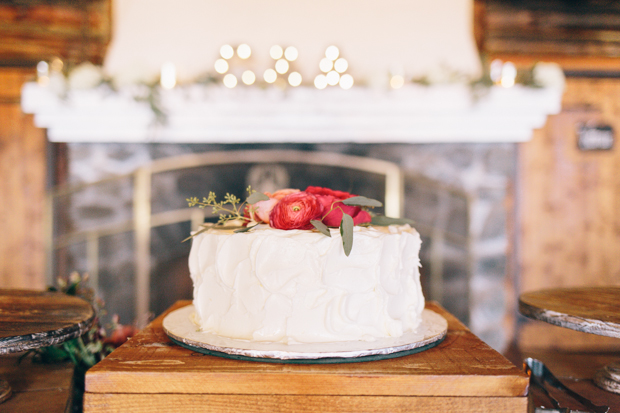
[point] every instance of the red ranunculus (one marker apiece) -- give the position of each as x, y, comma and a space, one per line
332, 199
259, 212
317, 190
295, 211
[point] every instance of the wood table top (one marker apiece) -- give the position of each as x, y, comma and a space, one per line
462, 365
594, 310
32, 319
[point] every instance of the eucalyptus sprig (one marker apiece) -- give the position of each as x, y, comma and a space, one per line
230, 209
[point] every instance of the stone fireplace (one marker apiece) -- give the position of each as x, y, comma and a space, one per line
458, 194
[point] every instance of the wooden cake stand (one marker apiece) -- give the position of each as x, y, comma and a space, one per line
32, 319
594, 310
149, 373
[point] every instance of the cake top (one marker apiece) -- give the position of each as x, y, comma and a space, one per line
314, 209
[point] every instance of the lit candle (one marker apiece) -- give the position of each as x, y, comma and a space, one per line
291, 53
248, 77
230, 80
270, 76
282, 66
294, 79
397, 81
346, 81
168, 77
320, 82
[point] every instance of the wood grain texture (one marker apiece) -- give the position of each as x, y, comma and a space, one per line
5, 390
568, 202
594, 310
37, 387
31, 319
73, 31
535, 27
608, 377
22, 188
460, 368
283, 403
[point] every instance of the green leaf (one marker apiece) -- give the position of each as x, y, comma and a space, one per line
244, 229
383, 221
321, 227
203, 229
346, 231
256, 197
362, 201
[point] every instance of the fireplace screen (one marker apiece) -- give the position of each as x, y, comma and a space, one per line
126, 232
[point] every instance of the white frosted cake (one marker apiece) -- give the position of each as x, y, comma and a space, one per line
298, 286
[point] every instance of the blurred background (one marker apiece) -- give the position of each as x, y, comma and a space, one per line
491, 123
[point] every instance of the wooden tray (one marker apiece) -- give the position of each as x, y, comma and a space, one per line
151, 374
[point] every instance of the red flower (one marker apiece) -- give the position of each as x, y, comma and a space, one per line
260, 211
295, 211
332, 199
317, 190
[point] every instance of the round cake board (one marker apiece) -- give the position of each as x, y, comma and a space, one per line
182, 330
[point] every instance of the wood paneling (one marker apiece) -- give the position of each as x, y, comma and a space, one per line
580, 36
31, 31
569, 207
22, 189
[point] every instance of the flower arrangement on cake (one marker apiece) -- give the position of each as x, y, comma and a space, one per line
315, 208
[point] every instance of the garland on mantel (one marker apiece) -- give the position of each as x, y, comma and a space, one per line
86, 76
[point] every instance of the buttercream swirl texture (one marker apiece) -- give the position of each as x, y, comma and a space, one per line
298, 286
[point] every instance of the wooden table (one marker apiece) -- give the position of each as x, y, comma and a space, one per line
37, 387
594, 310
32, 319
151, 374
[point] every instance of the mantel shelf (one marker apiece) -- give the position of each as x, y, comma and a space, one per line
212, 114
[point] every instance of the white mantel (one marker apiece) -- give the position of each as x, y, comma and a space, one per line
215, 114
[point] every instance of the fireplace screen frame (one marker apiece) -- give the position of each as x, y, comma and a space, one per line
143, 220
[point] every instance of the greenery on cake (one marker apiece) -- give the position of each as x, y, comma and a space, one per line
315, 208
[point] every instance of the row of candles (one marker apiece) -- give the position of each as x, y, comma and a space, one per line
333, 69
332, 66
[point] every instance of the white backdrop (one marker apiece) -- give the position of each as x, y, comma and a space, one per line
414, 37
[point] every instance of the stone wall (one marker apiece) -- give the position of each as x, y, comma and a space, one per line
456, 193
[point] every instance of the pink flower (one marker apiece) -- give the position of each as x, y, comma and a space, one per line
333, 199
281, 193
262, 209
295, 211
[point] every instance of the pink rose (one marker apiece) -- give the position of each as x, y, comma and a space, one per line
281, 193
333, 199
295, 211
262, 209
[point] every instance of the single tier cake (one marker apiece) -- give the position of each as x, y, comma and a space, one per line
298, 286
